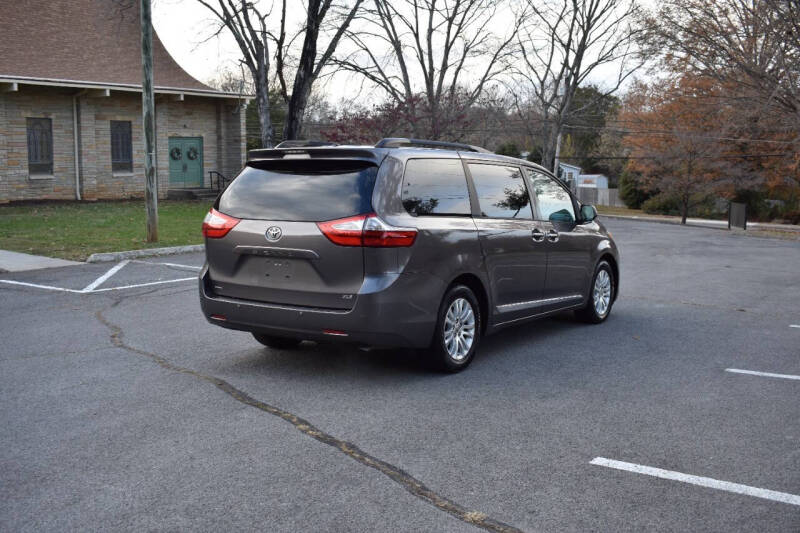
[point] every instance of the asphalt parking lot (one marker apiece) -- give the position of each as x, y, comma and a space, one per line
122, 409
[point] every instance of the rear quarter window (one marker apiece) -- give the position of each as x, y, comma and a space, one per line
435, 187
300, 190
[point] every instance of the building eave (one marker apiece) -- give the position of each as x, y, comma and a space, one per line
79, 84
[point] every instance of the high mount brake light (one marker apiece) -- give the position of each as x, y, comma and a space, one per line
216, 225
367, 230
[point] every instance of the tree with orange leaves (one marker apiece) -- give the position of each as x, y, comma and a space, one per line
673, 142
747, 54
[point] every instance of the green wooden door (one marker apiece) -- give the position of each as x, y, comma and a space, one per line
186, 161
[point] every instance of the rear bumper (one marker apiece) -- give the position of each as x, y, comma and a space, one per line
399, 310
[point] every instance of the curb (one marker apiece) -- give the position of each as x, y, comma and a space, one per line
663, 221
755, 226
644, 219
147, 252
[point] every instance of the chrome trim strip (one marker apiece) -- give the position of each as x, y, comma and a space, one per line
505, 308
275, 251
536, 315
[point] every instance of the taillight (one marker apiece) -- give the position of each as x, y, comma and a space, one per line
367, 230
344, 231
217, 225
379, 234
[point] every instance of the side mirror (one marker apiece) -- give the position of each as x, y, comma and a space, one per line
588, 213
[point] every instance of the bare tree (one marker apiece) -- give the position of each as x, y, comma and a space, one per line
750, 45
250, 27
445, 43
231, 80
309, 66
751, 49
563, 43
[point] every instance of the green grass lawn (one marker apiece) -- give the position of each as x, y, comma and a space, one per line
608, 210
76, 230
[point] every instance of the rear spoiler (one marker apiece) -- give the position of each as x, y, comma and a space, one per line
339, 152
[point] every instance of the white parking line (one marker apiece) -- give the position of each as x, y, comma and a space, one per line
84, 291
175, 265
727, 486
37, 286
765, 374
145, 284
99, 281
92, 287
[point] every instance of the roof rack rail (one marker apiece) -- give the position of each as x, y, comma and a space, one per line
300, 143
399, 142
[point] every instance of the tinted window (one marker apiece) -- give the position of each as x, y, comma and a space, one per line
501, 191
121, 146
40, 145
311, 191
553, 201
435, 187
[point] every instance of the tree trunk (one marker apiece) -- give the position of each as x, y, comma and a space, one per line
686, 196
549, 148
262, 100
304, 77
297, 108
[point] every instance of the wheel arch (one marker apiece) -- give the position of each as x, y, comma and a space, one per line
476, 285
611, 260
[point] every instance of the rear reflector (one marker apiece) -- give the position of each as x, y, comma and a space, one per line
334, 332
221, 318
367, 230
216, 225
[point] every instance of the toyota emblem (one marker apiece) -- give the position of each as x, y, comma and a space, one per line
274, 233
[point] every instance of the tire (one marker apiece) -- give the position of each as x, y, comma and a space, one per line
594, 312
461, 301
279, 343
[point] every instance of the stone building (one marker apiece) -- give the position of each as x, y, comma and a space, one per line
71, 113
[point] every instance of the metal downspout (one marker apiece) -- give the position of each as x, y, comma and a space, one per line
76, 137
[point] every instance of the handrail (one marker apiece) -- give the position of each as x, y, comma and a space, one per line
222, 182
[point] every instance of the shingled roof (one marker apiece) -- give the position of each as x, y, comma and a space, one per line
83, 42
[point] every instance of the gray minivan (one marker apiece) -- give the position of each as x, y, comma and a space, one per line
413, 243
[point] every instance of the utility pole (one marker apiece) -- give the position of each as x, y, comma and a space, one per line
148, 123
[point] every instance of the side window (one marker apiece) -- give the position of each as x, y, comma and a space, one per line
553, 201
121, 146
40, 146
501, 191
435, 187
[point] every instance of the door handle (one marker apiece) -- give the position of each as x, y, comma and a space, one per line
552, 235
537, 235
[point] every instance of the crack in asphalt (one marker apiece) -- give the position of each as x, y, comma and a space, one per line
396, 474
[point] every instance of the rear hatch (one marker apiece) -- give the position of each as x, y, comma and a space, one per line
276, 253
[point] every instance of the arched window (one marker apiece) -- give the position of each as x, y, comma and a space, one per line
40, 146
121, 146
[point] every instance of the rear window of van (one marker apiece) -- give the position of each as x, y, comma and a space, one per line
299, 190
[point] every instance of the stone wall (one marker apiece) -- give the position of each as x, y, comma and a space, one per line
15, 182
219, 122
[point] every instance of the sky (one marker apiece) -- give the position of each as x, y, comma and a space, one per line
186, 28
